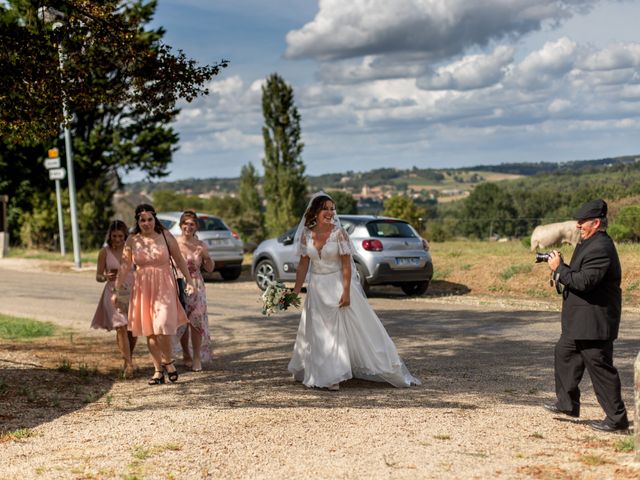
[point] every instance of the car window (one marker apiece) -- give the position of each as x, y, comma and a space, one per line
390, 229
287, 237
209, 224
348, 225
167, 223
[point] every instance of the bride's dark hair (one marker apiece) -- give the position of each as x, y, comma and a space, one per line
314, 208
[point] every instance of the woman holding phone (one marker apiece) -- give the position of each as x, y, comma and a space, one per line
107, 315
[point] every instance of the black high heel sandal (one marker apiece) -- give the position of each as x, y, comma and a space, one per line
157, 380
173, 376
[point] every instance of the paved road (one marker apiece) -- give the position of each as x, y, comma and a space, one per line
486, 366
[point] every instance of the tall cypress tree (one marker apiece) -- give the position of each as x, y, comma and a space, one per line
251, 225
285, 184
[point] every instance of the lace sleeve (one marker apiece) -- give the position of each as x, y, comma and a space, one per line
301, 245
344, 244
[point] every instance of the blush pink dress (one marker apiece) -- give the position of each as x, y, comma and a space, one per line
154, 308
107, 316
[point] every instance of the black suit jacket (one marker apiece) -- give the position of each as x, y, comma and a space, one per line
592, 300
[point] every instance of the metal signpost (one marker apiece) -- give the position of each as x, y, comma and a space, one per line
56, 173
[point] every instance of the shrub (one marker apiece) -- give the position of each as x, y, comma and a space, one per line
629, 217
620, 233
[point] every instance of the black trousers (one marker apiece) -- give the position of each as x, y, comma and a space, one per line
571, 358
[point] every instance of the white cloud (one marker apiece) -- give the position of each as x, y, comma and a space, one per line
419, 82
614, 57
441, 28
473, 71
542, 67
559, 105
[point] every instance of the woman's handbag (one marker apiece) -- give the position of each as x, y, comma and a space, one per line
181, 284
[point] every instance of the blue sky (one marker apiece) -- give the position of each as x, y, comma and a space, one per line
430, 83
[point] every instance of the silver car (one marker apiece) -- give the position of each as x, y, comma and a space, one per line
225, 246
388, 251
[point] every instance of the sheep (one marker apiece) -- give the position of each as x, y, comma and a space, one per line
544, 236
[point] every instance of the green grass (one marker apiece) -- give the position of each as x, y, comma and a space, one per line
88, 256
19, 434
627, 444
512, 270
15, 328
593, 460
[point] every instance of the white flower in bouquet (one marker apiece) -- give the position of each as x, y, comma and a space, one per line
277, 297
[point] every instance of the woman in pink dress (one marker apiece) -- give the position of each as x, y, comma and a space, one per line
197, 256
154, 308
107, 315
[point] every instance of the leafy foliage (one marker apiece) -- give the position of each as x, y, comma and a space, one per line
403, 207
120, 84
226, 207
251, 225
285, 184
108, 58
489, 209
626, 226
345, 203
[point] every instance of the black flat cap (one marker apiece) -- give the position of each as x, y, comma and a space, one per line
593, 209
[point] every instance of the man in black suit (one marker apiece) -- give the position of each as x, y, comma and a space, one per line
591, 307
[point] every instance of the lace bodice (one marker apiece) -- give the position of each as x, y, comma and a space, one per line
327, 259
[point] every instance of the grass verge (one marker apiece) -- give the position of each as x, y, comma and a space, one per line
16, 328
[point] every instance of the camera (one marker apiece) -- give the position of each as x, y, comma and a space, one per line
542, 257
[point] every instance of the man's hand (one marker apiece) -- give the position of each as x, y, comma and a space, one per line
555, 259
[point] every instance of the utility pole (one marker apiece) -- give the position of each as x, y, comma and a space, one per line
49, 14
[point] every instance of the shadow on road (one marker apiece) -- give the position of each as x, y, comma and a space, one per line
32, 394
466, 359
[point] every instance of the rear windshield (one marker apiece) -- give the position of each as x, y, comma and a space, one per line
390, 229
167, 223
208, 224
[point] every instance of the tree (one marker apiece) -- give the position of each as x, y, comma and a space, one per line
403, 207
627, 223
108, 58
251, 224
345, 203
120, 84
285, 184
489, 210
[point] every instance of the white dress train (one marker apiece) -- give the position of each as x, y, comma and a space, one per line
334, 344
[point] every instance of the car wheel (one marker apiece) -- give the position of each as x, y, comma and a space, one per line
265, 273
231, 273
362, 278
417, 288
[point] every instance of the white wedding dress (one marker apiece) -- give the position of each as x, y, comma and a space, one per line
334, 344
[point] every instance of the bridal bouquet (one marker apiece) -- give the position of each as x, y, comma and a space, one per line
277, 297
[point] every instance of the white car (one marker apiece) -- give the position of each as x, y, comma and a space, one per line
225, 246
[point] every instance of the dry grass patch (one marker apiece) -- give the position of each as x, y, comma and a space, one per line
509, 269
45, 378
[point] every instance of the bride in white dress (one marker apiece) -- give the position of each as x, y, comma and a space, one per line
339, 336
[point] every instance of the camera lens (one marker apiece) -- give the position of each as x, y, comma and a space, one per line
542, 257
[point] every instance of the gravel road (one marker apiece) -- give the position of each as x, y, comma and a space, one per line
486, 366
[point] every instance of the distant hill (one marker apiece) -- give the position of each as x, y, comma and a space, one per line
416, 179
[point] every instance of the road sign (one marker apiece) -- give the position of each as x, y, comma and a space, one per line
52, 153
57, 173
50, 163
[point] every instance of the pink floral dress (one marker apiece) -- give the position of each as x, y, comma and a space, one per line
196, 305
